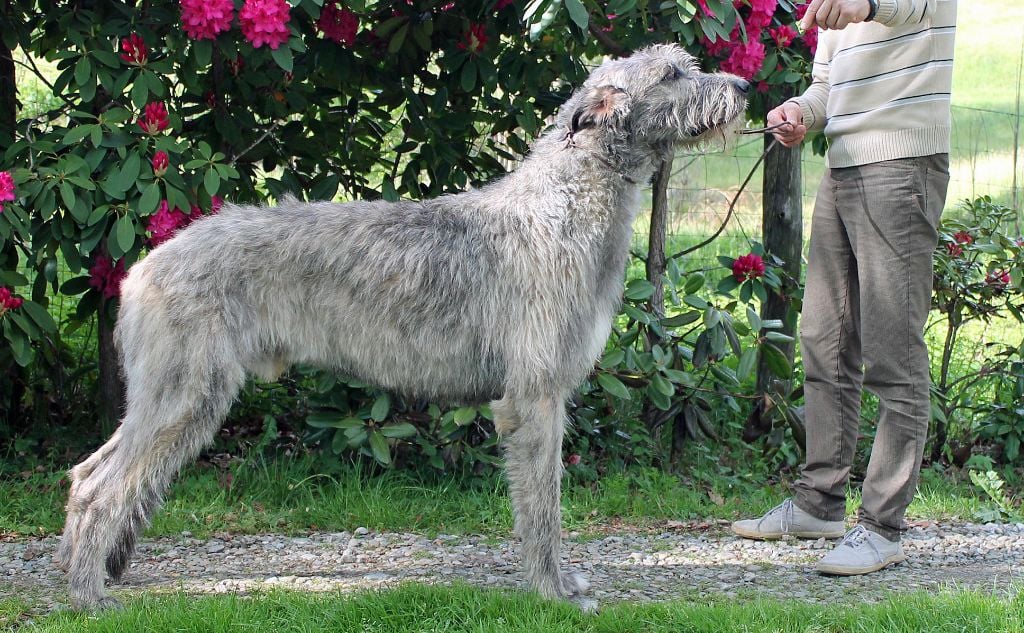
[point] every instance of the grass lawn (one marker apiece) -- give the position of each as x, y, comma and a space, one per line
289, 496
415, 608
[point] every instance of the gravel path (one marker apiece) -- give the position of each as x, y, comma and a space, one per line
683, 560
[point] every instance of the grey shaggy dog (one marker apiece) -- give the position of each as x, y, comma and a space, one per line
503, 294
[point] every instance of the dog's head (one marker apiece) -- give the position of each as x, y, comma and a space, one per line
655, 99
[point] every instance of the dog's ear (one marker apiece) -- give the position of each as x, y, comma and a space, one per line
604, 106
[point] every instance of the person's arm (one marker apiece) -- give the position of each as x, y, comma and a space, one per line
813, 101
838, 14
897, 12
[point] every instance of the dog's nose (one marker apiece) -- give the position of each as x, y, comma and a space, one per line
742, 86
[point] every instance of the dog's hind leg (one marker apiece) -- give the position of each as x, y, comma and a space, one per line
180, 387
533, 463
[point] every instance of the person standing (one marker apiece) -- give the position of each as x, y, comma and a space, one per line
880, 90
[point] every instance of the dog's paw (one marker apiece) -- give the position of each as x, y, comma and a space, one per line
575, 584
99, 603
586, 605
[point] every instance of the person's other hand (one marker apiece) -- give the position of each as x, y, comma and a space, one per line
834, 14
789, 135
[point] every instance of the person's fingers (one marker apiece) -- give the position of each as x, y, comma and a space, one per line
793, 113
775, 116
828, 15
809, 16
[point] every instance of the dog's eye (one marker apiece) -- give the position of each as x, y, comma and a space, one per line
672, 73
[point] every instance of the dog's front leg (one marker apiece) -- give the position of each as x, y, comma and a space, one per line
533, 462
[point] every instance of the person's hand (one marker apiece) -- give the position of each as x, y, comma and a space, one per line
789, 135
834, 14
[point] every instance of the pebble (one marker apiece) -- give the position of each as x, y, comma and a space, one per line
624, 566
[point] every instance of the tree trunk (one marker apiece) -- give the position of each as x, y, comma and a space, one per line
8, 87
782, 231
655, 265
111, 384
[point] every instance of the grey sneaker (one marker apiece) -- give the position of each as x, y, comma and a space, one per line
787, 519
861, 552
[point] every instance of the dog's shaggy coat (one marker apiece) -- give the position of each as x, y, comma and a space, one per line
502, 294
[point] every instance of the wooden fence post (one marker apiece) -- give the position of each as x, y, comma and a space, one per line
782, 234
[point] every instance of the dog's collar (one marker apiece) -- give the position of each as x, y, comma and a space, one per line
570, 142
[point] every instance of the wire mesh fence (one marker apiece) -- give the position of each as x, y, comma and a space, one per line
984, 160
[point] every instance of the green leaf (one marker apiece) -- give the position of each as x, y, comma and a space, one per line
41, 317
776, 361
578, 13
464, 415
639, 289
694, 283
398, 430
212, 181
747, 363
21, 347
613, 358
150, 199
614, 386
67, 195
83, 71
681, 319
139, 94
283, 57
778, 337
712, 317
661, 384
379, 446
75, 286
695, 302
753, 319
124, 229
381, 407
332, 420
467, 79
658, 399
204, 51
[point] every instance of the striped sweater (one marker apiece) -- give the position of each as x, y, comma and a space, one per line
880, 90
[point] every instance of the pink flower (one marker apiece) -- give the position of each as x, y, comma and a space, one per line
160, 163
338, 24
446, 7
216, 202
761, 12
8, 301
811, 39
954, 250
474, 39
745, 59
164, 224
204, 19
747, 267
963, 237
135, 51
574, 459
265, 22
998, 279
154, 118
783, 35
6, 188
106, 276
194, 214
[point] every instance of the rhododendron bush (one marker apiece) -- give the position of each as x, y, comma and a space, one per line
166, 109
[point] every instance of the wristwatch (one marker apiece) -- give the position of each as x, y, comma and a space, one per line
872, 10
